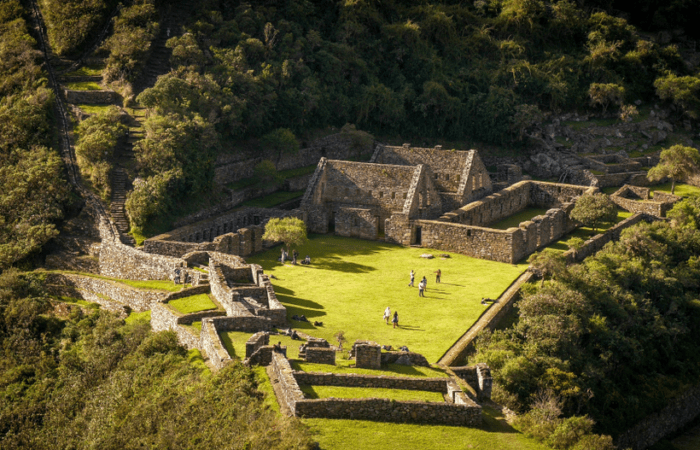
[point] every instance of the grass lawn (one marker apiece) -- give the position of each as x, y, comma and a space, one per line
77, 301
86, 71
84, 86
94, 109
139, 317
193, 303
286, 341
234, 341
586, 233
515, 220
273, 199
358, 392
682, 190
343, 366
495, 434
352, 281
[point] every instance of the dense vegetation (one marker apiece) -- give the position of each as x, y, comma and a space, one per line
91, 381
98, 136
31, 173
70, 23
614, 337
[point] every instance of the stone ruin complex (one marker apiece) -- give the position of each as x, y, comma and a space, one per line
437, 199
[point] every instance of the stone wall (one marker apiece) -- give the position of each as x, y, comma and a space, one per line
371, 381
337, 146
636, 199
121, 261
255, 342
102, 97
414, 359
211, 344
320, 355
238, 233
385, 410
261, 357
680, 412
96, 289
368, 355
289, 393
597, 242
618, 179
248, 324
357, 222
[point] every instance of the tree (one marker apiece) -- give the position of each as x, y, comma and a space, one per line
290, 230
546, 263
593, 209
604, 94
266, 172
682, 91
677, 163
281, 140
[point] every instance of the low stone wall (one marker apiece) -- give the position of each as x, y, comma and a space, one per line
211, 344
249, 324
96, 289
597, 242
320, 355
618, 179
255, 342
290, 394
102, 97
636, 199
187, 292
372, 381
680, 412
368, 355
103, 301
163, 318
121, 261
385, 410
415, 359
187, 319
261, 357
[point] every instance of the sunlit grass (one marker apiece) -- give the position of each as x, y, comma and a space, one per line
234, 342
495, 434
94, 109
139, 317
351, 282
682, 190
193, 303
359, 392
515, 219
343, 366
83, 86
86, 71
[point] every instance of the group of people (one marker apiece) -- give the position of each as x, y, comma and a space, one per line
387, 316
423, 284
295, 255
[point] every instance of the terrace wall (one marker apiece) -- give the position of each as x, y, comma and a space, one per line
385, 410
118, 294
371, 381
121, 261
99, 97
211, 344
256, 341
636, 199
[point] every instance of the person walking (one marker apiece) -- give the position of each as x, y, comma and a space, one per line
425, 283
387, 315
395, 320
421, 288
437, 276
413, 277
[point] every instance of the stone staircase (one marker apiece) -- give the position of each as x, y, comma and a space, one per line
159, 61
119, 180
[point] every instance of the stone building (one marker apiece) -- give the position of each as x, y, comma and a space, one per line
357, 199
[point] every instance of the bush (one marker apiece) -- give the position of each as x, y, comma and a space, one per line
69, 23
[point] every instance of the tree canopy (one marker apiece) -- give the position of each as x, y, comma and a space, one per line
593, 209
290, 230
676, 163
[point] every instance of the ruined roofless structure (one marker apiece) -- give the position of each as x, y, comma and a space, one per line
438, 199
356, 199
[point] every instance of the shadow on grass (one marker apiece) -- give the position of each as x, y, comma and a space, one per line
411, 327
298, 302
328, 263
453, 284
495, 421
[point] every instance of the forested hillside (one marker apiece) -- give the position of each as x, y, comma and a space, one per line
613, 338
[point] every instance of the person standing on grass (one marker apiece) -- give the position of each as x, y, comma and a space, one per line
387, 315
421, 288
437, 276
425, 283
413, 278
395, 320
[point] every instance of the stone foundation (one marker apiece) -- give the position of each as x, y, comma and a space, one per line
320, 355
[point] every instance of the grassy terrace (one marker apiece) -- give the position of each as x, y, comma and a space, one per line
83, 86
94, 109
86, 71
193, 303
514, 220
234, 341
351, 282
157, 285
356, 392
273, 199
347, 366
